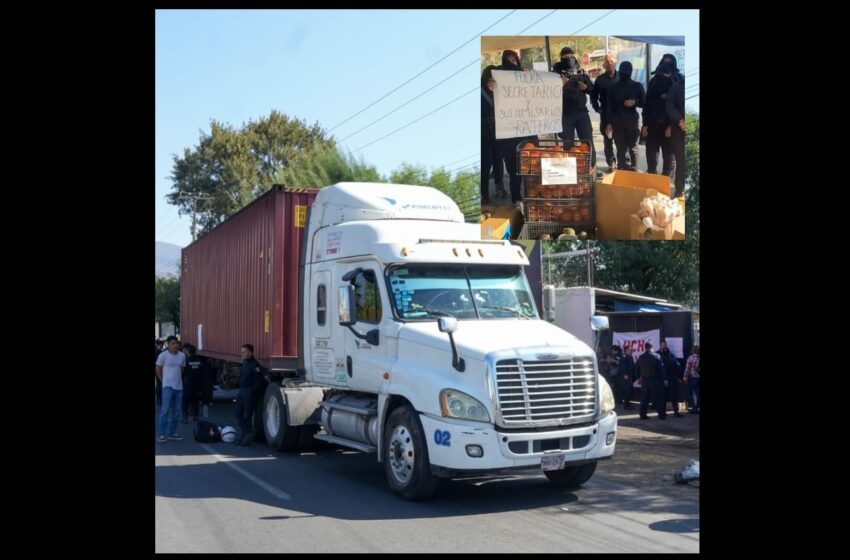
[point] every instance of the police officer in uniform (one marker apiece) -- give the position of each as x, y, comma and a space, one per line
251, 385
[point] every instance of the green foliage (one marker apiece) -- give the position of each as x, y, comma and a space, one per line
234, 166
167, 300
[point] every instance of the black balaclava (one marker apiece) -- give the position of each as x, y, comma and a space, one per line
661, 82
625, 71
506, 65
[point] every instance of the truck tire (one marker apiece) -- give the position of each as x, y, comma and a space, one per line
406, 461
571, 477
280, 436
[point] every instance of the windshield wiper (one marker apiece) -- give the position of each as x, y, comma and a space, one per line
438, 312
503, 308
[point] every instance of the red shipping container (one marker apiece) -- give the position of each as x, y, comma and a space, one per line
239, 282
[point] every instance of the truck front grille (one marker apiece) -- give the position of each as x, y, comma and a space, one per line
545, 392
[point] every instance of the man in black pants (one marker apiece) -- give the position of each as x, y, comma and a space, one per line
507, 146
656, 126
653, 380
193, 382
575, 118
625, 378
624, 98
676, 114
674, 373
489, 150
251, 385
599, 100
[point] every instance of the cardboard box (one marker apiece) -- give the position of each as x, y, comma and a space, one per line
496, 228
618, 196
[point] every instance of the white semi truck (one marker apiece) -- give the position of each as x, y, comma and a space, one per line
417, 341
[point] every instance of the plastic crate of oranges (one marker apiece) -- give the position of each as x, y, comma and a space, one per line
529, 155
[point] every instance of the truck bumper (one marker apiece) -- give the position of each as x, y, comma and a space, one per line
451, 445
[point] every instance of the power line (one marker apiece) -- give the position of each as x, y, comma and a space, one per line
589, 24
473, 90
476, 88
691, 97
412, 99
476, 36
462, 159
538, 21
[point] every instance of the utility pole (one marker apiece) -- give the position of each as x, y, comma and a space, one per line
194, 197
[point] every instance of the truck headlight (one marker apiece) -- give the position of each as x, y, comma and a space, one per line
455, 404
606, 396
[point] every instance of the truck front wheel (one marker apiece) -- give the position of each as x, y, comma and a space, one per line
280, 436
571, 477
406, 461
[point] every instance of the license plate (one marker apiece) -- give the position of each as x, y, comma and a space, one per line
553, 462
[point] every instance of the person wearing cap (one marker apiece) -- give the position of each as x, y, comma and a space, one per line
676, 114
599, 101
574, 115
656, 125
624, 98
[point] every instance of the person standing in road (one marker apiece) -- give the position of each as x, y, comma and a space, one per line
193, 382
692, 379
656, 126
624, 98
158, 387
653, 379
574, 117
676, 116
671, 366
169, 369
625, 379
251, 385
599, 101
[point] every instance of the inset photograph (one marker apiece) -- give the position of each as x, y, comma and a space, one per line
584, 137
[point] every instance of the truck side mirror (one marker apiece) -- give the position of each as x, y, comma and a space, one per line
598, 323
347, 307
447, 324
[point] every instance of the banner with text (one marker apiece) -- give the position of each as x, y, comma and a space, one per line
636, 340
527, 103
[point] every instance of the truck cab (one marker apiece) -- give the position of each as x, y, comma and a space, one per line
422, 343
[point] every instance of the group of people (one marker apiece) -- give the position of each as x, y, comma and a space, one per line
616, 97
659, 376
185, 380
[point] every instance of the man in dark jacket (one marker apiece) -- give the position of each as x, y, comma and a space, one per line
676, 115
656, 126
193, 382
624, 98
575, 118
251, 385
489, 149
599, 100
625, 379
674, 375
653, 380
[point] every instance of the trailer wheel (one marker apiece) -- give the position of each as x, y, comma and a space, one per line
280, 436
571, 477
406, 461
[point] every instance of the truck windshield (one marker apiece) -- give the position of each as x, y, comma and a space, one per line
465, 292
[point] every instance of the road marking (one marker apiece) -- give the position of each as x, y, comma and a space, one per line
256, 480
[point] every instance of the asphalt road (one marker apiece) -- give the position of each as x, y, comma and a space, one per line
219, 497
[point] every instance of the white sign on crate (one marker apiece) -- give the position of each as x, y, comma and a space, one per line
559, 171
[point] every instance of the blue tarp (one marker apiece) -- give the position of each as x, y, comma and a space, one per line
667, 40
620, 305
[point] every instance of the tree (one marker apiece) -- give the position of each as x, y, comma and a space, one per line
663, 269
234, 166
462, 188
167, 300
326, 165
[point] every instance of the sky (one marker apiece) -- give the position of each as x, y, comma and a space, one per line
325, 66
